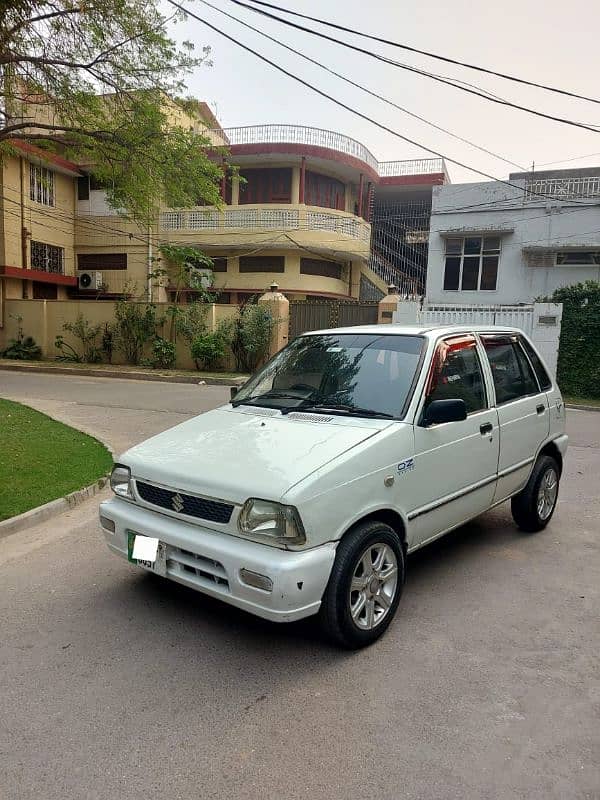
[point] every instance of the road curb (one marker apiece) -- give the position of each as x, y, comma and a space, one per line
577, 407
40, 514
90, 372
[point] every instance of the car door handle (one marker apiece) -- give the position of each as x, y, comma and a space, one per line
485, 429
540, 409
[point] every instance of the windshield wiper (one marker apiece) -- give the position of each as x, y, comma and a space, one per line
273, 395
341, 408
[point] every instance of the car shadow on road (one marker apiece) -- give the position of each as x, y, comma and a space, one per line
444, 561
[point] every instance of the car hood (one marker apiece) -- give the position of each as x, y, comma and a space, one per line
237, 453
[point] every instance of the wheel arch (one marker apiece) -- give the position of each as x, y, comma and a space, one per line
389, 516
551, 449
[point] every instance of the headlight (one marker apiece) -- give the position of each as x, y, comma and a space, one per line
120, 481
272, 523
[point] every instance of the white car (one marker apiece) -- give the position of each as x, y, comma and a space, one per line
349, 450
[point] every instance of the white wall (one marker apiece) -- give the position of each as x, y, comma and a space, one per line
529, 223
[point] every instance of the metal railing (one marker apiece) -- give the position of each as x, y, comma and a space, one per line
258, 219
564, 188
318, 137
416, 166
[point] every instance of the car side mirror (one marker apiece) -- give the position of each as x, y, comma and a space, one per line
439, 411
233, 390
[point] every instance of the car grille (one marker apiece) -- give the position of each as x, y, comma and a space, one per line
180, 503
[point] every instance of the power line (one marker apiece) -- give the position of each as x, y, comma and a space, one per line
566, 160
344, 105
429, 54
457, 85
361, 87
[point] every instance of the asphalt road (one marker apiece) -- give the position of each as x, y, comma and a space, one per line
114, 685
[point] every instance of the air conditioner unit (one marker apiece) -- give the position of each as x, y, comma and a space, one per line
90, 280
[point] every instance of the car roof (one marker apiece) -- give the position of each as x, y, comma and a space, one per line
431, 331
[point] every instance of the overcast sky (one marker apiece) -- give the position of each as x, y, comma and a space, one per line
548, 41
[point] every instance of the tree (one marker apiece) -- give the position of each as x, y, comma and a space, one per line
98, 82
188, 268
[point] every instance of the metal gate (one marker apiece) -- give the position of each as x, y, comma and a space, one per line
313, 316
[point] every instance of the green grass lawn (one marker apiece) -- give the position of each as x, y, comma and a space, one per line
41, 459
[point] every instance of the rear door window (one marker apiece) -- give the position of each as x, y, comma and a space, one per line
512, 372
540, 370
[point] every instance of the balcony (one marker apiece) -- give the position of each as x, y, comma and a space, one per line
272, 227
568, 188
331, 140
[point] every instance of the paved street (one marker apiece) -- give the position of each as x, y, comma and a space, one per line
115, 685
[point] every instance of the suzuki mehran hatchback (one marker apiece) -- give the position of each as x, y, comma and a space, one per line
349, 450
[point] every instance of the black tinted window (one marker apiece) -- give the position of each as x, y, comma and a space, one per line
513, 376
540, 370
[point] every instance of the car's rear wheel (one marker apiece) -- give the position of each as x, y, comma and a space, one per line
364, 586
532, 509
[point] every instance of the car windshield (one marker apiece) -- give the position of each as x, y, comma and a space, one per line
364, 374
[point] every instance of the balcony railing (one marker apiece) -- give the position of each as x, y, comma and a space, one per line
564, 188
266, 219
302, 134
416, 166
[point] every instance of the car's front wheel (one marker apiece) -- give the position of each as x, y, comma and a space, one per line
364, 586
532, 509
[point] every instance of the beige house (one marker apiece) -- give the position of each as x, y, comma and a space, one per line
296, 211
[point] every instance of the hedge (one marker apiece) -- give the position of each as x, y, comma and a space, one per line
578, 370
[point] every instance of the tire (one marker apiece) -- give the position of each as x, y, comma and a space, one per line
532, 508
378, 589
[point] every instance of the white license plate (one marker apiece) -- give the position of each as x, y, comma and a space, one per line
157, 552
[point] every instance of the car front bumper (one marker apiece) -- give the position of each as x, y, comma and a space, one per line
210, 562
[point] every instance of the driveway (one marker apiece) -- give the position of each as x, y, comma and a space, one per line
112, 684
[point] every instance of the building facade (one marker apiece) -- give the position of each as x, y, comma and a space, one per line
491, 243
308, 209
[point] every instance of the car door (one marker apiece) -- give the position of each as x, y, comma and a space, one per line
522, 411
455, 463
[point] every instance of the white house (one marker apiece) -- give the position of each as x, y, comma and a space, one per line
491, 243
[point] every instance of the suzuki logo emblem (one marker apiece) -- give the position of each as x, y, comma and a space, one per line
177, 503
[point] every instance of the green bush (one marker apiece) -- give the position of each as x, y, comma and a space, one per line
23, 348
136, 324
208, 350
250, 336
87, 335
163, 354
578, 370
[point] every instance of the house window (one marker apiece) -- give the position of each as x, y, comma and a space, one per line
578, 258
321, 190
219, 265
262, 263
47, 257
41, 185
93, 261
316, 266
472, 263
266, 186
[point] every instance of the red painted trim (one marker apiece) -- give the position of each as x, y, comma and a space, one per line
434, 179
369, 202
37, 275
304, 150
360, 195
302, 180
44, 155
